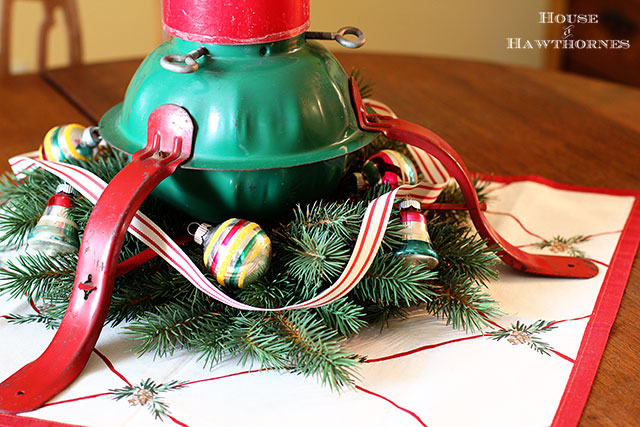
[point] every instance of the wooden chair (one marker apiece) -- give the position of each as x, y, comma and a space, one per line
73, 32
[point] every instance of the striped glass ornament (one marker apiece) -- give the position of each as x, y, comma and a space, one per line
390, 167
237, 252
55, 232
385, 167
417, 248
71, 141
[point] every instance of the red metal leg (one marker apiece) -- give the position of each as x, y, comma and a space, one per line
169, 141
410, 133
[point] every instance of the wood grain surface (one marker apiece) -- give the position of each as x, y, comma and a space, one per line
501, 119
29, 107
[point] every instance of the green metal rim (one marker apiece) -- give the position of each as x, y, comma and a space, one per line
113, 133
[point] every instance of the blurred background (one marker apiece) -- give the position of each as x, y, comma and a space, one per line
468, 29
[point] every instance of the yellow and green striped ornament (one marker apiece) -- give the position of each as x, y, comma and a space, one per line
70, 141
237, 252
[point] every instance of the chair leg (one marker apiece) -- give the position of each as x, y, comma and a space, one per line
45, 27
73, 31
5, 36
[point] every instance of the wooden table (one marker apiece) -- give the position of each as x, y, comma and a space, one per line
505, 120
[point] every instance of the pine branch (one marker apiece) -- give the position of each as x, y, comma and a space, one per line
465, 306
252, 338
272, 291
174, 326
365, 86
317, 350
462, 254
49, 318
294, 341
314, 258
391, 281
36, 179
39, 276
341, 219
344, 316
380, 314
24, 202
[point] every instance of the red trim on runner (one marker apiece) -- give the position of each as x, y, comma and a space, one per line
235, 374
413, 414
512, 216
180, 423
604, 264
111, 367
423, 348
77, 399
564, 356
566, 320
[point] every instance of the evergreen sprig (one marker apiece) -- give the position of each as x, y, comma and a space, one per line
463, 304
462, 254
365, 86
48, 320
391, 281
38, 276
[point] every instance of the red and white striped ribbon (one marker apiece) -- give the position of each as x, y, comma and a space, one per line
367, 244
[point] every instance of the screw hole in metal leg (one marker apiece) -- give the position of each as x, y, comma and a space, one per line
571, 265
20, 393
88, 287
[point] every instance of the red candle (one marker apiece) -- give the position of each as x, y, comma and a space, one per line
235, 21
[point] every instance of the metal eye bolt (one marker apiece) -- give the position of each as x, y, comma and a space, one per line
183, 64
339, 36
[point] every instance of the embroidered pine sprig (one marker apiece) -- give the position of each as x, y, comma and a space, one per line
564, 244
148, 394
519, 333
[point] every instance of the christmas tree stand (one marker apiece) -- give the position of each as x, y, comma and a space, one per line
173, 135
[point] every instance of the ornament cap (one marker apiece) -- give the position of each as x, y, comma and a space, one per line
200, 232
409, 203
65, 188
91, 136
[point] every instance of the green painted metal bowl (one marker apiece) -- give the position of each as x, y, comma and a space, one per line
274, 125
